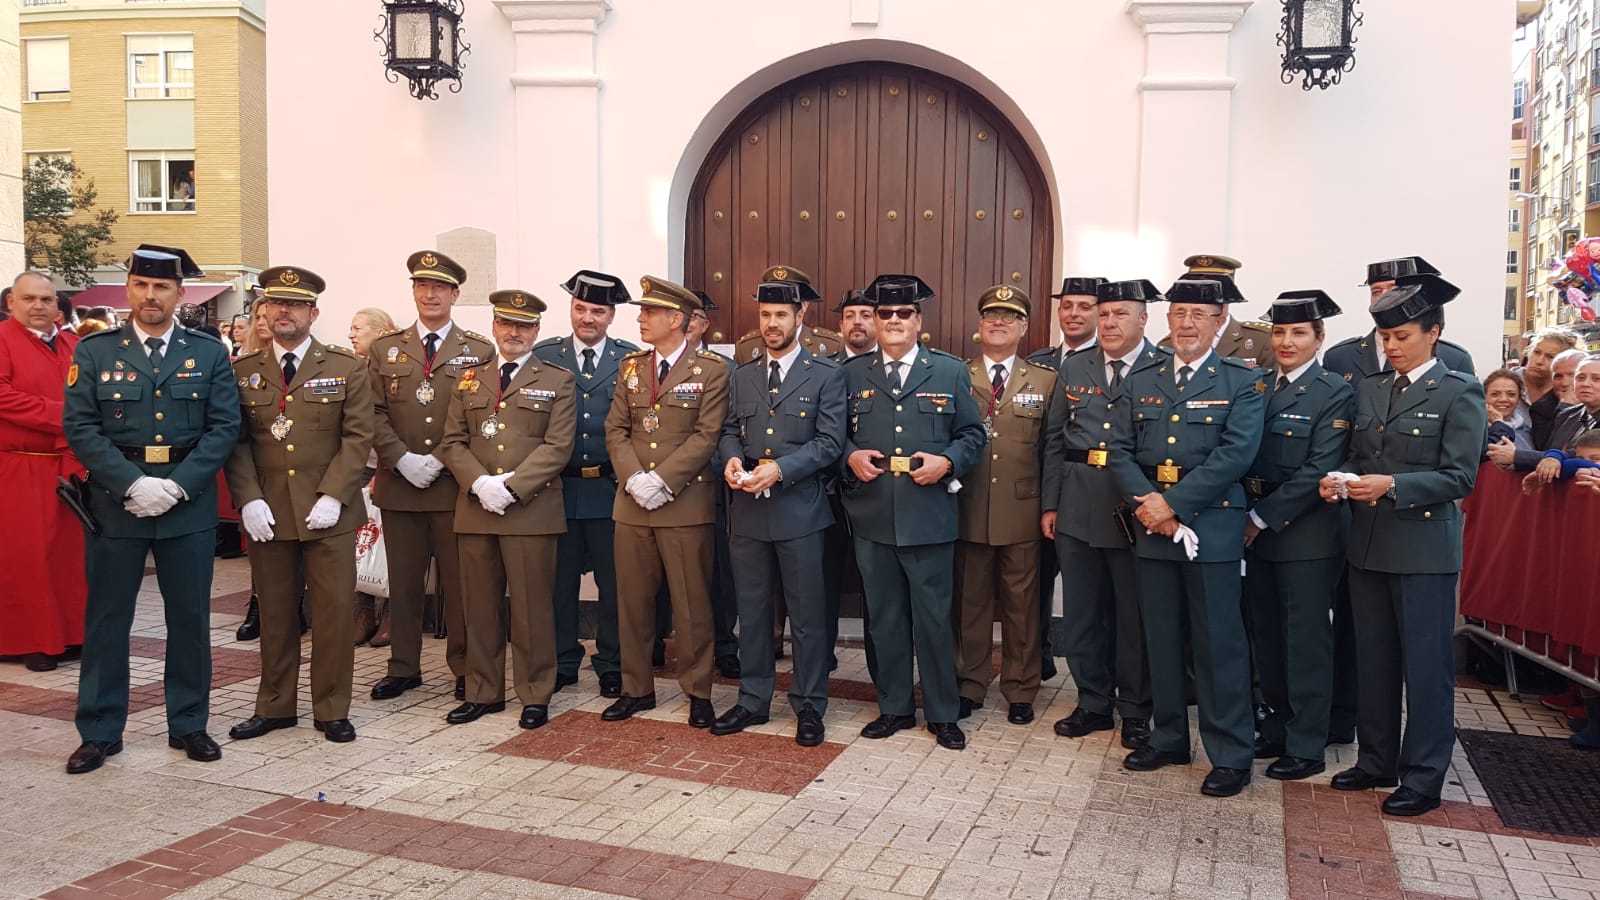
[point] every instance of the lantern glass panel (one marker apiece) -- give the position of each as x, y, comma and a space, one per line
1322, 24
447, 42
413, 35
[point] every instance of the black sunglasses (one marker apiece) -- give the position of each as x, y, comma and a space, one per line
903, 313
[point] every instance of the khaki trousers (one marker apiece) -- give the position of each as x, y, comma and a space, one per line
527, 564
683, 558
998, 582
330, 567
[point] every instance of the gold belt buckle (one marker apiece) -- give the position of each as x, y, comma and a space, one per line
900, 464
1096, 458
590, 471
765, 462
1255, 486
157, 455
1167, 474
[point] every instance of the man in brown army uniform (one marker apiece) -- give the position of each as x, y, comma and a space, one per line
817, 341
413, 371
512, 423
997, 558
661, 434
296, 474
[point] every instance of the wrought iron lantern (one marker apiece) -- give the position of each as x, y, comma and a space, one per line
422, 42
1318, 40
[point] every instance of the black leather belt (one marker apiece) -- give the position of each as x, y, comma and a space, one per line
1164, 474
1097, 458
155, 454
1258, 487
588, 471
751, 464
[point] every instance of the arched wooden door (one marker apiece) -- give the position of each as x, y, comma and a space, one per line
865, 169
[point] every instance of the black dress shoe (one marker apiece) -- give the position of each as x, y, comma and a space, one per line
808, 730
1047, 669
534, 716
949, 735
885, 725
1020, 713
626, 707
1225, 782
461, 687
39, 662
1354, 779
728, 665
736, 720
339, 731
256, 726
1266, 749
967, 706
1407, 802
91, 755
611, 684
1149, 759
1135, 733
197, 745
565, 680
250, 628
1083, 722
1294, 768
472, 712
701, 713
392, 686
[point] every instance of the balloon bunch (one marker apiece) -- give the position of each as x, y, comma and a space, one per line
1579, 278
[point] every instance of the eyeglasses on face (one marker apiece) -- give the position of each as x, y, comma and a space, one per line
1001, 315
903, 313
1192, 316
289, 304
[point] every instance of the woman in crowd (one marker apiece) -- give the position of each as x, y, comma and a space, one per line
372, 618
1508, 414
368, 324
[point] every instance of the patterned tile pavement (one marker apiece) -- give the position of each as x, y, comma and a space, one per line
653, 808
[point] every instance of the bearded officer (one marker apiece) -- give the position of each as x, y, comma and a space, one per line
296, 473
510, 435
816, 340
1250, 341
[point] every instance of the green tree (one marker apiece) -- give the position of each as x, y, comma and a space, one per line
63, 232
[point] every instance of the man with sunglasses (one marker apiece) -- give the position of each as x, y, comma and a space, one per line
914, 429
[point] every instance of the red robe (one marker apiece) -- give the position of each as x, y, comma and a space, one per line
42, 587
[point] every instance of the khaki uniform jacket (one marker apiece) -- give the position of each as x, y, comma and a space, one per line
691, 405
999, 498
537, 423
817, 341
405, 424
329, 404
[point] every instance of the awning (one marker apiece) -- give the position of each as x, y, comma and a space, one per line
116, 295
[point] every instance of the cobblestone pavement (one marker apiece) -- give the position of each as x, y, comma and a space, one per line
653, 808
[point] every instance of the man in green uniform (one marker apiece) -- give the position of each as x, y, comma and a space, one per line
914, 430
152, 412
1249, 341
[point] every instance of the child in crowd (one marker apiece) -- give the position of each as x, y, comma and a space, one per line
1585, 454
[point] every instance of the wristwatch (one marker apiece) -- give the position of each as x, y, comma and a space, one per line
1390, 492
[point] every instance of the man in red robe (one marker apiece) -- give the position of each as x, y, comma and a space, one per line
41, 584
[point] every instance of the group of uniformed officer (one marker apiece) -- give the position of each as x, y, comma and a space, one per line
1153, 475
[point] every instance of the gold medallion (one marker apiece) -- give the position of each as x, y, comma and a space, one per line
489, 428
280, 427
652, 422
425, 393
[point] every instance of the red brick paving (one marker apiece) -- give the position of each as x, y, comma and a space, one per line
229, 665
173, 868
770, 763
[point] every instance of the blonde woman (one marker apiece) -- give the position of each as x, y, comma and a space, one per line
372, 620
368, 324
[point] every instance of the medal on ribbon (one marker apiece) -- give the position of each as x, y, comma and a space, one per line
280, 427
652, 422
489, 428
425, 393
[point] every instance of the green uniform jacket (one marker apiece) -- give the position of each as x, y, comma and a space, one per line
588, 498
1356, 359
113, 398
1431, 443
1307, 436
1249, 342
933, 413
1211, 429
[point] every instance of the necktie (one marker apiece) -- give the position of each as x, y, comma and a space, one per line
1183, 376
661, 372
1283, 382
506, 371
155, 352
288, 367
430, 345
894, 375
1117, 366
998, 382
774, 377
588, 361
1400, 384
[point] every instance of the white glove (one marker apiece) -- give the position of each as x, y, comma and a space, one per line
493, 495
324, 514
149, 497
661, 494
257, 519
1190, 541
744, 476
1344, 479
419, 468
175, 489
954, 487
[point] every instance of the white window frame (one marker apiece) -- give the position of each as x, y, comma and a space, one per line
1513, 220
1512, 259
1516, 178
30, 95
169, 205
163, 85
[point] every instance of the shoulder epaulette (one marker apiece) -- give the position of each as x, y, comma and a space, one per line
549, 342
192, 332
712, 354
237, 359
828, 333
753, 334
826, 361
1258, 326
474, 334
342, 351
385, 334
937, 352
858, 358
1469, 379
93, 335
1248, 364
625, 345
645, 352
1349, 340
1331, 377
1040, 353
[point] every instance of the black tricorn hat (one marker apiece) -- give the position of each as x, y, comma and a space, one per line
1412, 297
785, 284
155, 261
852, 297
1199, 290
596, 287
1392, 269
1230, 288
1293, 307
1141, 290
1079, 284
897, 290
706, 303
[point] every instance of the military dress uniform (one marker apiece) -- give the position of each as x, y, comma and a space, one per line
1102, 630
905, 533
1294, 564
412, 383
127, 417
1405, 557
300, 441
1192, 442
1250, 341
666, 427
512, 420
589, 488
997, 556
1359, 358
815, 340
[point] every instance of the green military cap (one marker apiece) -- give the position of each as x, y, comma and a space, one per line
292, 283
435, 266
1004, 296
785, 284
516, 306
663, 294
1212, 264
